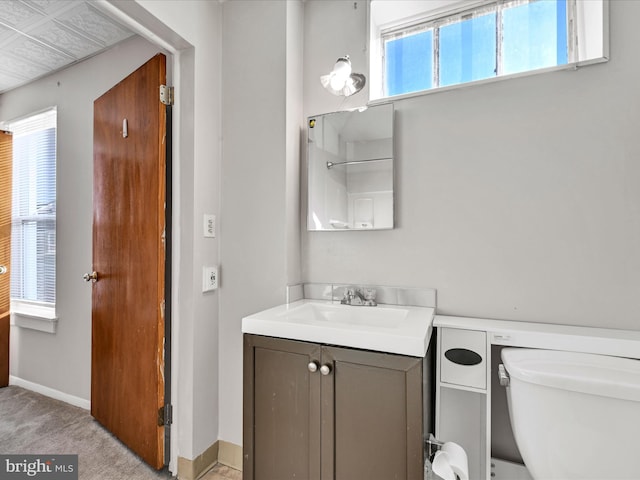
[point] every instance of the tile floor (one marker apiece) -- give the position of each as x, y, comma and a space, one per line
222, 472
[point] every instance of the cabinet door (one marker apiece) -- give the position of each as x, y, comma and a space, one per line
281, 410
371, 416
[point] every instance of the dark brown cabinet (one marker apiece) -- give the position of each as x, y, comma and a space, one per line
318, 412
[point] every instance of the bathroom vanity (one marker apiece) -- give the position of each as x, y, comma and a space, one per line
323, 412
324, 400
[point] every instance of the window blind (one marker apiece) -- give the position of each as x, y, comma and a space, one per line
33, 229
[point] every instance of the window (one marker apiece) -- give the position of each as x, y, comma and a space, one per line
463, 42
33, 229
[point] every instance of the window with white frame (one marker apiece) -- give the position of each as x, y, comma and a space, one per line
33, 229
423, 45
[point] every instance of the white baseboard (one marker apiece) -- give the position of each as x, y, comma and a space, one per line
50, 392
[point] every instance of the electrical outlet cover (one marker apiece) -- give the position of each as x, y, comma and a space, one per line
209, 226
209, 279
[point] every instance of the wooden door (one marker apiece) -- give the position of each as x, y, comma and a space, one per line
371, 416
127, 354
281, 410
6, 161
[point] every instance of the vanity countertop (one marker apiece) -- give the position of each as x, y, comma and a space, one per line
399, 329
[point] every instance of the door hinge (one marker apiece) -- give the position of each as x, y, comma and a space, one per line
165, 415
166, 94
162, 307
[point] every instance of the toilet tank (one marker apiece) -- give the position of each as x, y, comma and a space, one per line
574, 415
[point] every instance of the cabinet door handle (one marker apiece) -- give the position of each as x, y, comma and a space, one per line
325, 369
313, 367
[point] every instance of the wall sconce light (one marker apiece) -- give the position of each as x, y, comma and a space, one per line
341, 81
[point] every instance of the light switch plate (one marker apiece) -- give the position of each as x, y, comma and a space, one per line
209, 279
209, 225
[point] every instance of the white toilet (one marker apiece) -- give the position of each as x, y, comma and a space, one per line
575, 415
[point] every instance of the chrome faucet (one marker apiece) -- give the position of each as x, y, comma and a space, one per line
354, 296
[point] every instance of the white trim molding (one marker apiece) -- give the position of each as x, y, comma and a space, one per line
50, 392
34, 315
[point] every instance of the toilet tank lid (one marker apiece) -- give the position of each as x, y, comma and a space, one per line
580, 372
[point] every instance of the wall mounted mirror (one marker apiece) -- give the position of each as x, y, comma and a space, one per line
350, 163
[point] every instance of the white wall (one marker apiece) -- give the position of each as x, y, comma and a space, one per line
259, 225
294, 145
62, 361
332, 29
516, 199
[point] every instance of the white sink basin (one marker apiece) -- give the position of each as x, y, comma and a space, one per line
385, 328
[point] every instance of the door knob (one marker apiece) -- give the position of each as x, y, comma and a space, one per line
3, 269
90, 277
313, 367
325, 369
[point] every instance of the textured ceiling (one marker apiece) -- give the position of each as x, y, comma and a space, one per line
38, 37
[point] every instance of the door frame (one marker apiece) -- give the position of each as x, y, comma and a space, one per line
6, 153
154, 30
168, 284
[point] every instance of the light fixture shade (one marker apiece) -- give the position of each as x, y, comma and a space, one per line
341, 81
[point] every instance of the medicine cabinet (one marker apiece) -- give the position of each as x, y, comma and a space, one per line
350, 165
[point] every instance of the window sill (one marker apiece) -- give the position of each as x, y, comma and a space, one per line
34, 316
457, 86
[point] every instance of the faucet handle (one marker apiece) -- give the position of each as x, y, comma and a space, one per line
349, 293
359, 296
369, 296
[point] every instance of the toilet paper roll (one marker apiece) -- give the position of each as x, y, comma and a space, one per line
441, 466
457, 458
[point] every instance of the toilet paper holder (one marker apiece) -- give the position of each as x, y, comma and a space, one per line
433, 445
445, 461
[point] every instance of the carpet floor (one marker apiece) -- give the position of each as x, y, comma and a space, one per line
31, 423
